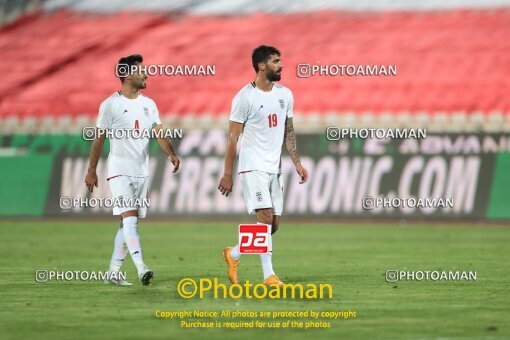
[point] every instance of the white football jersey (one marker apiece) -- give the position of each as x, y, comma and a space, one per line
263, 115
128, 156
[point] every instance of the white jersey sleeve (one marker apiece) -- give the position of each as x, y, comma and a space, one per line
155, 115
240, 107
105, 116
290, 104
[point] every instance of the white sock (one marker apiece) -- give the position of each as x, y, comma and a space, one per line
119, 252
266, 259
130, 229
234, 253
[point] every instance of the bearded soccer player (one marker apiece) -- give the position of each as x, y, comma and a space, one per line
128, 161
262, 114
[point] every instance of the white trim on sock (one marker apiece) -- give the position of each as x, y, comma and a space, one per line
266, 259
234, 253
119, 252
132, 240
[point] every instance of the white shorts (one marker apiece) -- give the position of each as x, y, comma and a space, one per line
262, 190
130, 189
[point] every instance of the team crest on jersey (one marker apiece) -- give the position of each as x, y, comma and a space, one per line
259, 196
146, 111
282, 105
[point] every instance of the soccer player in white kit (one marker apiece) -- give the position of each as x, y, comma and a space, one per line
262, 113
128, 161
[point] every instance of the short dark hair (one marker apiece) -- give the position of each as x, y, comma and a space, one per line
262, 54
129, 60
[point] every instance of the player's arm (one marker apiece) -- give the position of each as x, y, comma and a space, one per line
166, 146
234, 131
291, 146
95, 153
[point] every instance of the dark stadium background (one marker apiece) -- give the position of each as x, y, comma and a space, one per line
58, 62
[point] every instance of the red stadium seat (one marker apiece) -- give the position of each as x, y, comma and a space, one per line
63, 63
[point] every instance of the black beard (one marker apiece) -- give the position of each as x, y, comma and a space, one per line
273, 76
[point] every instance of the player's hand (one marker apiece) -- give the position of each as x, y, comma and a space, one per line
91, 180
303, 173
225, 185
175, 161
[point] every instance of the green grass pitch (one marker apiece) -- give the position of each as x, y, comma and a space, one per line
353, 258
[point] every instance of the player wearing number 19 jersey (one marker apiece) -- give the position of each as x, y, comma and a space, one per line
127, 111
261, 114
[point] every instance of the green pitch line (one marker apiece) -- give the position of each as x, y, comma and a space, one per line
352, 258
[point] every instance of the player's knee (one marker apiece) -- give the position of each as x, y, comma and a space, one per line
265, 216
274, 228
276, 224
129, 213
